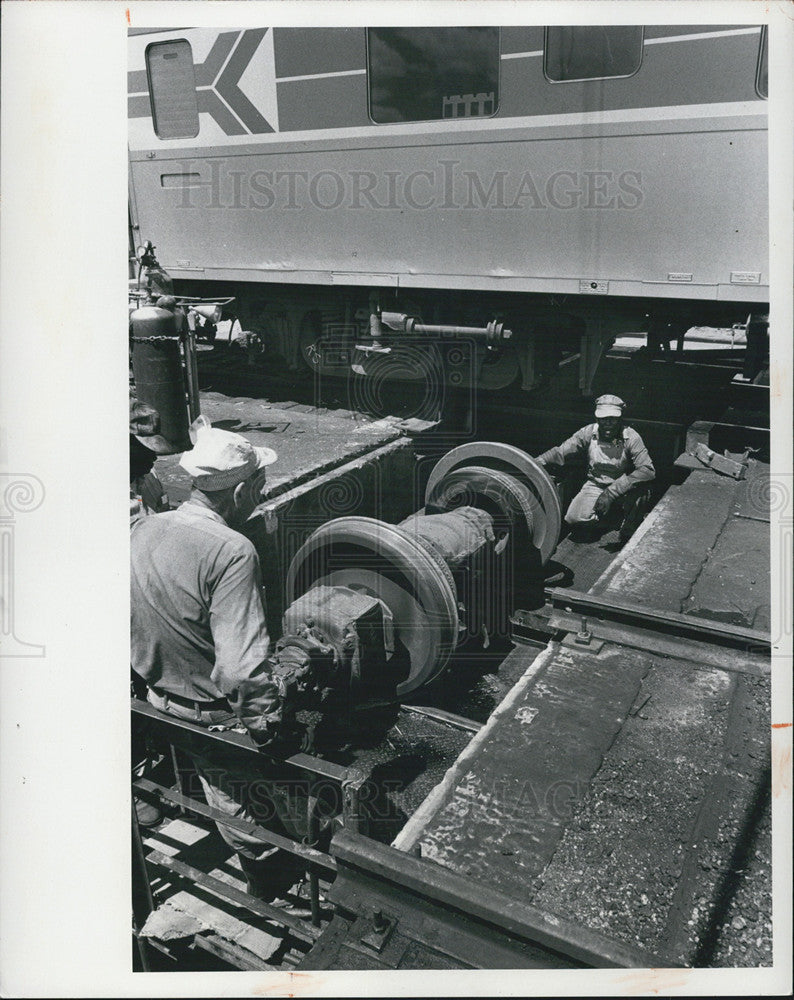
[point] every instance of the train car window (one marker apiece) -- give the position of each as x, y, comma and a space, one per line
172, 86
424, 74
591, 52
762, 75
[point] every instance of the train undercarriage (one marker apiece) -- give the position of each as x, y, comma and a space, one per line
333, 333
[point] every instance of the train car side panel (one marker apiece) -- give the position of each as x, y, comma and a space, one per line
524, 215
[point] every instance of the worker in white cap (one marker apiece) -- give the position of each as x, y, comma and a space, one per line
147, 496
618, 464
199, 635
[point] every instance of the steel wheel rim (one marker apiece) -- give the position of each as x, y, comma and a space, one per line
512, 461
432, 586
514, 499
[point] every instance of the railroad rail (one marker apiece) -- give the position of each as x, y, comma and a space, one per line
411, 900
590, 617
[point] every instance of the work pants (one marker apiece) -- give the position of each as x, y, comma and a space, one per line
255, 790
582, 508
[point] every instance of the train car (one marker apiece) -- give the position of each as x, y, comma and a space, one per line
555, 186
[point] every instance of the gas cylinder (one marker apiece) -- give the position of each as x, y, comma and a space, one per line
158, 370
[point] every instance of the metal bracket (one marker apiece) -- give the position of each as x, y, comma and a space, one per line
380, 931
531, 628
720, 463
593, 345
584, 638
591, 645
373, 349
526, 360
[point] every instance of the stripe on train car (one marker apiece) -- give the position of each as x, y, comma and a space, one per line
437, 129
698, 36
320, 76
661, 40
220, 85
237, 89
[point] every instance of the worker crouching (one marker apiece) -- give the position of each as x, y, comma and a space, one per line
618, 467
200, 639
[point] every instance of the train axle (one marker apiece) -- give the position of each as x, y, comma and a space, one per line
407, 595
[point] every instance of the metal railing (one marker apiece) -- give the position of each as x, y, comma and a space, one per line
317, 774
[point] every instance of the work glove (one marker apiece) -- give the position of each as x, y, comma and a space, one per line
286, 739
602, 505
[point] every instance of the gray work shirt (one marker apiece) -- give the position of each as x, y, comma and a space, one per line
198, 617
616, 465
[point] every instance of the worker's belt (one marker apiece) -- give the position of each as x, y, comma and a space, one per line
217, 704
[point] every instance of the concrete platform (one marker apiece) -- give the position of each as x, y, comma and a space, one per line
308, 441
702, 551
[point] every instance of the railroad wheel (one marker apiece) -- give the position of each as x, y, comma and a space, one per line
413, 582
513, 505
499, 368
532, 491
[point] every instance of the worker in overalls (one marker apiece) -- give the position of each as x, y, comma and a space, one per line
200, 639
618, 466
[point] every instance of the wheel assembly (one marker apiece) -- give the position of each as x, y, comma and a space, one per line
392, 565
525, 487
513, 506
394, 601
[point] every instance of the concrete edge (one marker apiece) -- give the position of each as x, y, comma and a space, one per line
268, 506
436, 799
628, 549
361, 449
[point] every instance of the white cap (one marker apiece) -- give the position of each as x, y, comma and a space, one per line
221, 459
609, 406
